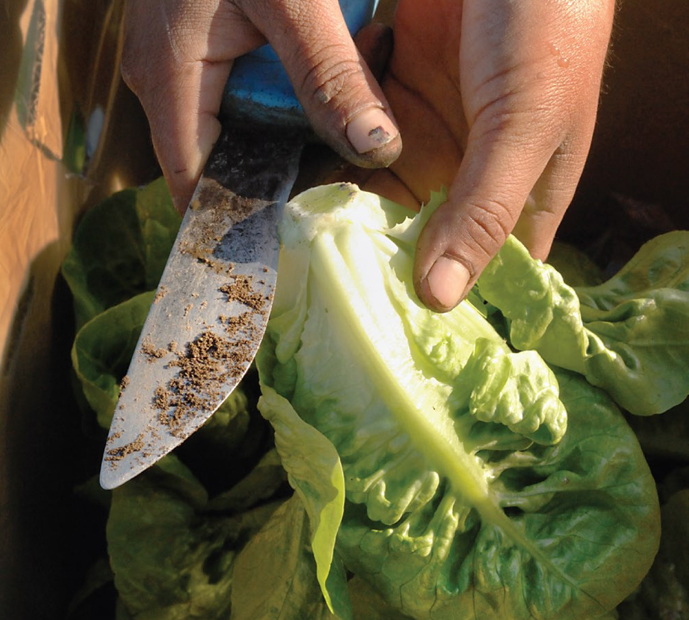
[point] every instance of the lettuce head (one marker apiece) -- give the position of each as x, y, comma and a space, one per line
458, 473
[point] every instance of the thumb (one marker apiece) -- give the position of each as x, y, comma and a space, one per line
491, 191
340, 96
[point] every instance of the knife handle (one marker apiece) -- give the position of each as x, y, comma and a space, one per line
259, 91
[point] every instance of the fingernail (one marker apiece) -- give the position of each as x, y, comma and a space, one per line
447, 280
370, 130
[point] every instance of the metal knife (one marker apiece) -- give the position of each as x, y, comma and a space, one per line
212, 305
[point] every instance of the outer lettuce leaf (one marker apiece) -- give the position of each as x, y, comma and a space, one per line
171, 560
101, 353
369, 605
664, 593
120, 249
315, 472
102, 350
629, 335
666, 437
275, 575
576, 268
263, 482
465, 497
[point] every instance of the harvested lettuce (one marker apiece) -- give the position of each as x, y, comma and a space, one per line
478, 481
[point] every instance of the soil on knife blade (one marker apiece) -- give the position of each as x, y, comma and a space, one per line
212, 361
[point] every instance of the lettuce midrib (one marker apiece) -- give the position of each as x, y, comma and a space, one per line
431, 432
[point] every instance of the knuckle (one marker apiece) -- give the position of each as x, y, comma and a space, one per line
330, 75
153, 50
527, 130
527, 118
144, 75
136, 62
488, 226
131, 69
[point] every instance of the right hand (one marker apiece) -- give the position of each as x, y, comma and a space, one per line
496, 101
178, 55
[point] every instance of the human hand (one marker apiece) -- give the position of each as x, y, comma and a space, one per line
178, 55
496, 101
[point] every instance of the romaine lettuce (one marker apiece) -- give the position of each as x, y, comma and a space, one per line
479, 483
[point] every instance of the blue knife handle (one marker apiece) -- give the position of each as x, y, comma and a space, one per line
259, 91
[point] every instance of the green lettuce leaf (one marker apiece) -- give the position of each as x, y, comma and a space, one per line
586, 530
263, 482
275, 574
629, 335
478, 482
171, 560
102, 350
315, 472
120, 249
101, 353
367, 604
664, 593
664, 438
576, 268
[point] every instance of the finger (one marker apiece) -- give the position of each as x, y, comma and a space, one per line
525, 151
333, 83
551, 196
175, 59
184, 125
374, 42
492, 186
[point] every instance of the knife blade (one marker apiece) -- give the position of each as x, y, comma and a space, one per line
211, 308
212, 305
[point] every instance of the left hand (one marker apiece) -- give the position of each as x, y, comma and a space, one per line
496, 100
